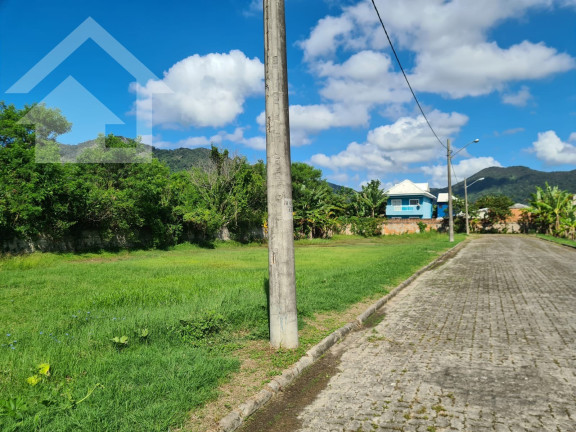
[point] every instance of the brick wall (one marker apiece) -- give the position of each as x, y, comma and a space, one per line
408, 226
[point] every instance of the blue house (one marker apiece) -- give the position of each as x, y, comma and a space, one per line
408, 200
442, 204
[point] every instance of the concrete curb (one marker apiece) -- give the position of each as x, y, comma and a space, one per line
559, 244
235, 419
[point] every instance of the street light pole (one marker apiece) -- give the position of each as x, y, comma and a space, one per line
449, 156
466, 206
450, 215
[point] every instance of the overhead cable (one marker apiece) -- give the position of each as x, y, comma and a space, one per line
405, 76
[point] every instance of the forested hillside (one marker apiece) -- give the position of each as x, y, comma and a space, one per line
517, 183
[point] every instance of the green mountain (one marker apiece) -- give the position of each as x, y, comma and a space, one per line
182, 158
517, 182
178, 159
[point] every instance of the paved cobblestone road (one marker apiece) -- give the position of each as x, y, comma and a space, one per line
484, 342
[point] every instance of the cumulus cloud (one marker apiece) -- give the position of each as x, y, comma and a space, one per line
438, 174
453, 55
550, 149
237, 137
480, 69
307, 120
205, 91
396, 146
366, 78
325, 38
519, 99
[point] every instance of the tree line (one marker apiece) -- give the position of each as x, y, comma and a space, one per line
146, 203
551, 211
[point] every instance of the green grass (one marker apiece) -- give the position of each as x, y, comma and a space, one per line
559, 240
183, 311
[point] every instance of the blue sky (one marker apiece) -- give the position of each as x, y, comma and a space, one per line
503, 71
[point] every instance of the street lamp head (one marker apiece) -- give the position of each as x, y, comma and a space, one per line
476, 140
480, 179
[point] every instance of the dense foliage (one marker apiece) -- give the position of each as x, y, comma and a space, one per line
148, 204
497, 208
141, 203
553, 211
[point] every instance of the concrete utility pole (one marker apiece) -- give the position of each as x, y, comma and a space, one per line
450, 215
282, 279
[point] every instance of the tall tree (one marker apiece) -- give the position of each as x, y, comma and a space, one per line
34, 198
229, 193
313, 201
498, 208
373, 198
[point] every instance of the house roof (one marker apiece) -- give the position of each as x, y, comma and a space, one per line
409, 188
519, 206
443, 197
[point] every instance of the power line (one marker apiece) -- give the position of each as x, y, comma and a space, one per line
405, 76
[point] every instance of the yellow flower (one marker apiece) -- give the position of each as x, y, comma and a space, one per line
33, 380
44, 369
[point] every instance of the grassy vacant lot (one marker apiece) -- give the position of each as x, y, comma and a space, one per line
136, 340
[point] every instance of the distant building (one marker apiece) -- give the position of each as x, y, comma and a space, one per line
408, 200
442, 204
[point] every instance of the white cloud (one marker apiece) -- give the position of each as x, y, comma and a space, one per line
519, 99
474, 70
315, 118
190, 142
254, 7
306, 120
237, 137
550, 149
206, 91
366, 78
513, 131
328, 34
395, 147
438, 174
453, 54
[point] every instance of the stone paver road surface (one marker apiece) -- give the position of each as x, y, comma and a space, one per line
484, 342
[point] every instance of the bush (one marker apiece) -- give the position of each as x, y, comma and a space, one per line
365, 226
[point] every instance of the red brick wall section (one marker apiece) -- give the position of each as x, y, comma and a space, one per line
408, 226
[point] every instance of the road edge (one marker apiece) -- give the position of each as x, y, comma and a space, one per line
236, 418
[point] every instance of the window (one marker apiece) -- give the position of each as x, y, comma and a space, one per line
396, 202
414, 202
